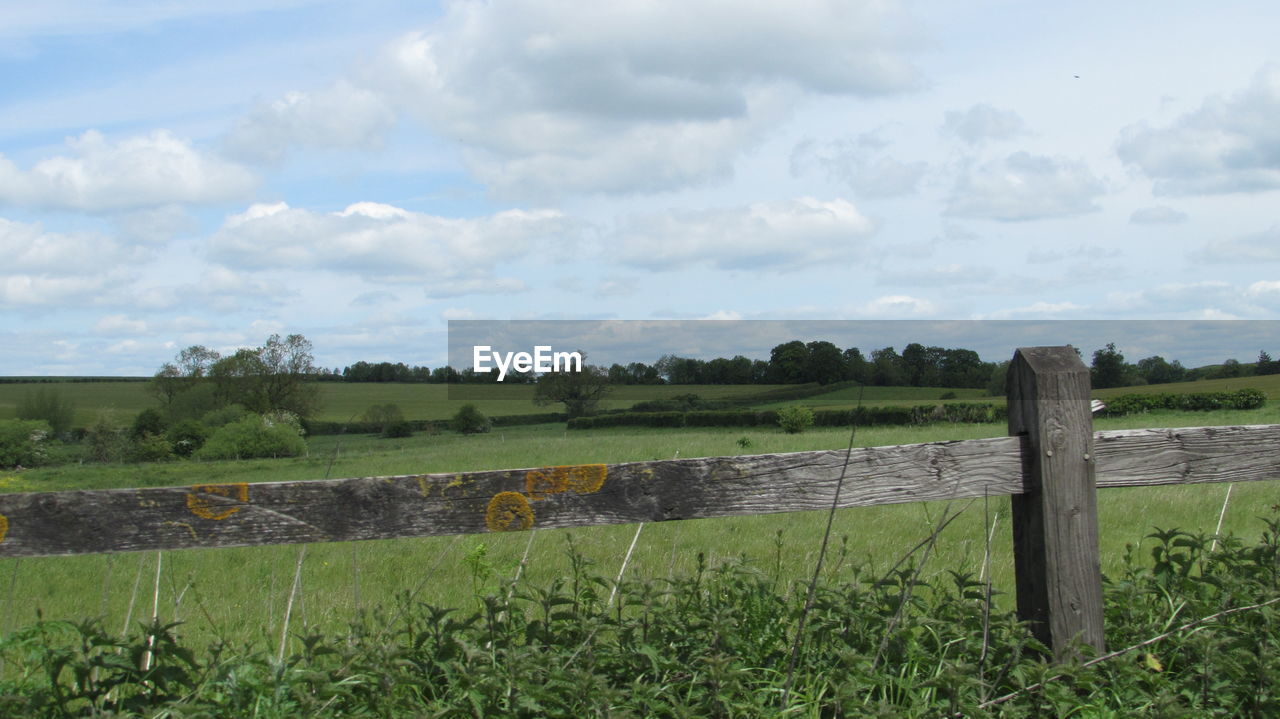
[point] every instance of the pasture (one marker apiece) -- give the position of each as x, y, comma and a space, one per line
240, 594
342, 401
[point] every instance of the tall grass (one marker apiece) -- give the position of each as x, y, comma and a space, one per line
240, 594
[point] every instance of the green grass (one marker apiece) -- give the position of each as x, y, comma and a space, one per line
340, 401
240, 593
1270, 384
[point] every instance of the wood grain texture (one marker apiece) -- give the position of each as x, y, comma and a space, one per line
1187, 455
229, 515
1057, 562
226, 515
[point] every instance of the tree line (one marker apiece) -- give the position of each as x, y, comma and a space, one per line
824, 362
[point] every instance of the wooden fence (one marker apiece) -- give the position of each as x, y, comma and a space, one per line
1049, 465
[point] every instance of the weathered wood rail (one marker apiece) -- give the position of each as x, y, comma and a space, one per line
1050, 466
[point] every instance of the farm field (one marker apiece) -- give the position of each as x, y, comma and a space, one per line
239, 594
341, 401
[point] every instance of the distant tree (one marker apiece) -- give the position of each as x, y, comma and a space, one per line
1230, 368
1108, 367
579, 390
788, 362
47, 404
887, 369
824, 363
996, 382
1266, 365
470, 420
856, 366
270, 378
1156, 370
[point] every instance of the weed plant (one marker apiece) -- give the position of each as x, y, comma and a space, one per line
711, 643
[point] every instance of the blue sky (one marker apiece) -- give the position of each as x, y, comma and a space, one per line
174, 174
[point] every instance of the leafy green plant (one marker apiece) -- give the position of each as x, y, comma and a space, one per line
253, 436
186, 437
47, 404
470, 420
23, 442
795, 419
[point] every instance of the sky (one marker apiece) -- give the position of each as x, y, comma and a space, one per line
175, 174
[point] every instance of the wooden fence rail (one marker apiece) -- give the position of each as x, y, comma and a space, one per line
1049, 466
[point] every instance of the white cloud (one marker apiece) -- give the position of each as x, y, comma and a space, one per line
48, 268
136, 172
764, 236
388, 244
1037, 310
1228, 145
1157, 215
617, 287
1025, 187
339, 116
1210, 299
983, 123
863, 164
897, 307
555, 96
118, 323
1262, 247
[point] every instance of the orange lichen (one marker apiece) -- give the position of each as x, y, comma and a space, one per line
539, 483
508, 512
203, 508
586, 478
4, 527
578, 478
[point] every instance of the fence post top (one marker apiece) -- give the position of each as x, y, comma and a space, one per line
1046, 360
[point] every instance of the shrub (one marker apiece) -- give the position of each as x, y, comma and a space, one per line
151, 448
22, 442
147, 422
795, 419
106, 438
251, 437
47, 404
382, 416
397, 429
186, 437
470, 420
223, 416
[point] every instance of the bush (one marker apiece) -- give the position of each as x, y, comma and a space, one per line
148, 421
383, 416
252, 437
47, 404
470, 420
223, 416
22, 442
397, 429
186, 437
795, 419
1247, 398
151, 448
106, 438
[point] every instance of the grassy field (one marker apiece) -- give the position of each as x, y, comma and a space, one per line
340, 401
240, 594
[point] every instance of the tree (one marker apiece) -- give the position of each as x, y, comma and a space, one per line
788, 362
1108, 367
1266, 365
1155, 370
579, 390
48, 405
278, 376
271, 378
824, 363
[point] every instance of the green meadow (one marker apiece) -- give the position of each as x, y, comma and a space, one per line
240, 595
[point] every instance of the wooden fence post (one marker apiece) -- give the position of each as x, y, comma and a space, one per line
1055, 520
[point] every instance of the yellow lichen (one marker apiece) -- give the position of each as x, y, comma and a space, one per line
508, 512
203, 508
